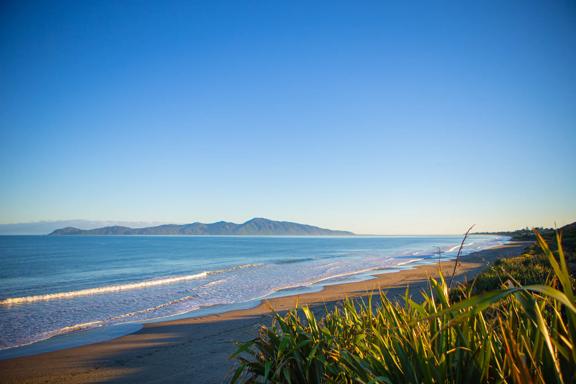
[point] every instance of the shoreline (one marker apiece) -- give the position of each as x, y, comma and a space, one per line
197, 348
90, 333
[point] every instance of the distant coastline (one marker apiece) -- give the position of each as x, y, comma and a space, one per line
253, 227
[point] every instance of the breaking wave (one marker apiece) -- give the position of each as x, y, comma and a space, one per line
408, 262
116, 288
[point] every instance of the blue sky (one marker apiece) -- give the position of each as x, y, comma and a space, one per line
378, 117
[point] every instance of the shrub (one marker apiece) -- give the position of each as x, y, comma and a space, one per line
519, 334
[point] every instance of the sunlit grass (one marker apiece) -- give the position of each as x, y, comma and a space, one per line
514, 334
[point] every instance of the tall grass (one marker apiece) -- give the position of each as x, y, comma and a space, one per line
516, 334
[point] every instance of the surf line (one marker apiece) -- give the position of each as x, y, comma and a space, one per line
101, 290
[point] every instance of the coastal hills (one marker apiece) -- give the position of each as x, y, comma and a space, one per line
254, 227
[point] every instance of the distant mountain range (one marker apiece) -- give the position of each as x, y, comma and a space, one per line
254, 227
44, 227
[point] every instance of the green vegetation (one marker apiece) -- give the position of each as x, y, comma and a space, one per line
525, 234
568, 231
513, 334
532, 267
526, 269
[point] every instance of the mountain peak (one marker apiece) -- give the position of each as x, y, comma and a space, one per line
259, 220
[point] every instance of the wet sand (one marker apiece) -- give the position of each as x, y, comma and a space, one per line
197, 350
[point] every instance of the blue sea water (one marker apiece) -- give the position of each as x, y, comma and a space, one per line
51, 286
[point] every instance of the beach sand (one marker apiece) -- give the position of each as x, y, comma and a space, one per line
197, 350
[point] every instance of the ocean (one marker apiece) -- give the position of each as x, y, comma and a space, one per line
52, 286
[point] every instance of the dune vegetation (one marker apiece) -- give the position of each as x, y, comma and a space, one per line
515, 324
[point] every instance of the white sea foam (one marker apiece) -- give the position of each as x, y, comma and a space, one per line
346, 274
102, 290
456, 247
409, 262
56, 332
79, 327
152, 309
117, 288
453, 248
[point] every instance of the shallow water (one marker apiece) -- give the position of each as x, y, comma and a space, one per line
55, 285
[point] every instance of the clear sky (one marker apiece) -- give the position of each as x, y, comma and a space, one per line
373, 116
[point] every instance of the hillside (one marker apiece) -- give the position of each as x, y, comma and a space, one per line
254, 227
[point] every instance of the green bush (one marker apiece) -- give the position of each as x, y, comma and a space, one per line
520, 334
525, 269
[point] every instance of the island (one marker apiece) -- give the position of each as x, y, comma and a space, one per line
254, 227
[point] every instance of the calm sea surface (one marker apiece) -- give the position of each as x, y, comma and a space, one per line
55, 285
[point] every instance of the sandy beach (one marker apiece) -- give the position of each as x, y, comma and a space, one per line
197, 350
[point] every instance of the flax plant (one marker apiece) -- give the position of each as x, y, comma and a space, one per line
516, 334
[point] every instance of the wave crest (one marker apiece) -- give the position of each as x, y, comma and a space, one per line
102, 290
